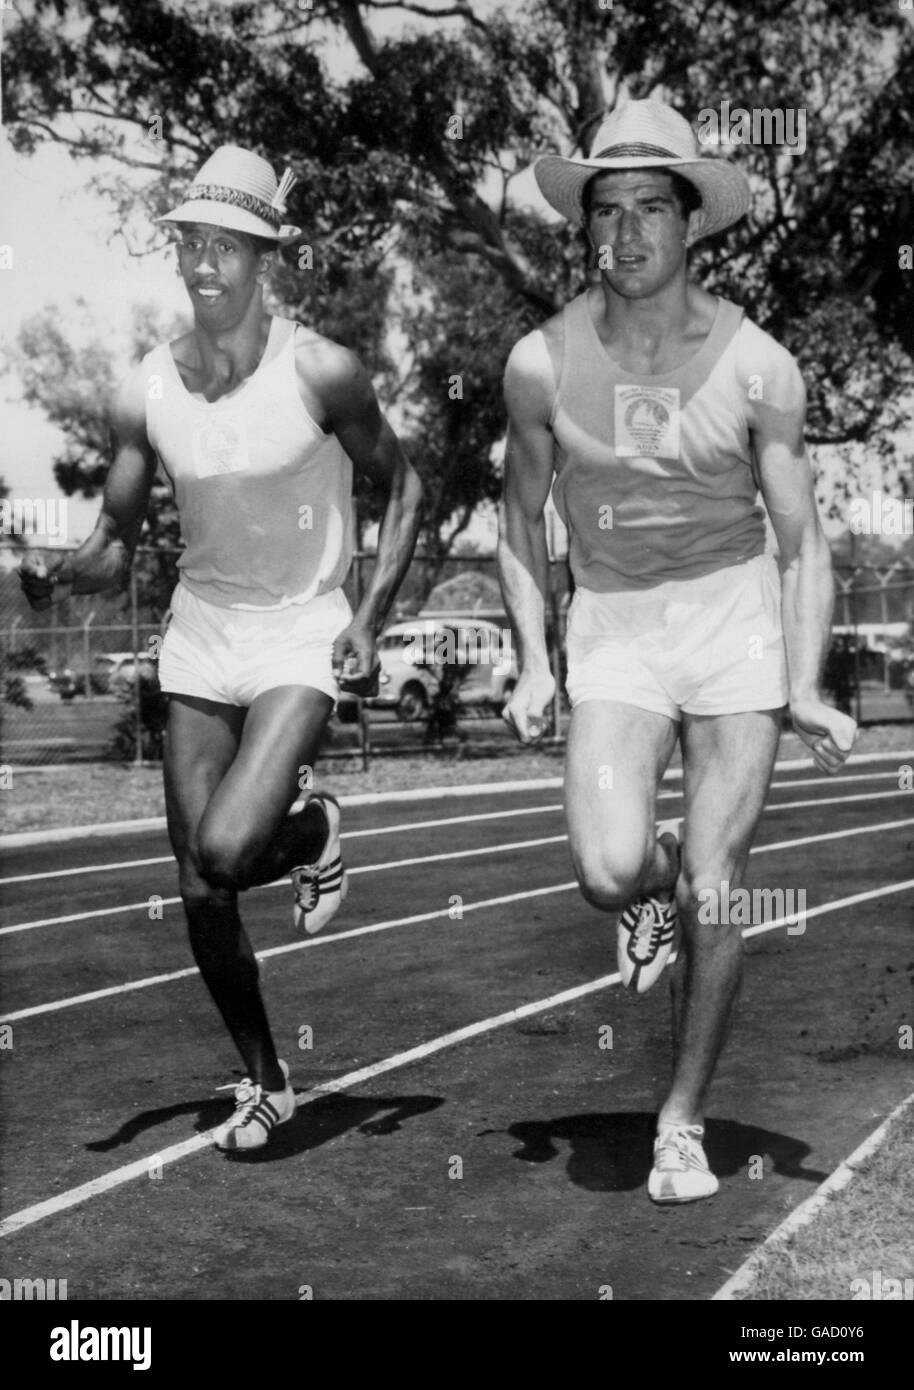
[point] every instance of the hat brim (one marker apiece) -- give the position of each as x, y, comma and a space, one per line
235, 219
724, 189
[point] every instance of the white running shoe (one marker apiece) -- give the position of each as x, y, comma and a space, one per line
257, 1113
680, 1172
320, 888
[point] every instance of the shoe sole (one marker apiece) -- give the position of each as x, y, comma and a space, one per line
249, 1148
681, 1201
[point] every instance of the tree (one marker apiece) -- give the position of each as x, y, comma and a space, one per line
74, 384
407, 164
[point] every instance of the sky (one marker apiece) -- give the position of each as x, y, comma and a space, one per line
67, 253
65, 249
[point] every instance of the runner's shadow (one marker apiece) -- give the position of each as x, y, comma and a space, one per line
612, 1153
331, 1116
314, 1124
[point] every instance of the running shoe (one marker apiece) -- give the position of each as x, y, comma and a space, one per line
320, 888
680, 1172
644, 939
257, 1112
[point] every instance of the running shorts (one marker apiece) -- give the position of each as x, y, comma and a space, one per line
711, 645
232, 655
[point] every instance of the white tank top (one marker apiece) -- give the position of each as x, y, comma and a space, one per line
655, 473
263, 494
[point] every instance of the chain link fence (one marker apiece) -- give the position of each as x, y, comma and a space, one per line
79, 683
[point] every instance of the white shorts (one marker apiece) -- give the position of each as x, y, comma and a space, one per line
232, 655
712, 645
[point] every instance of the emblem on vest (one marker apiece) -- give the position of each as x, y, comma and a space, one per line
647, 422
220, 446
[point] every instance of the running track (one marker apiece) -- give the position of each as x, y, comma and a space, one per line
446, 1145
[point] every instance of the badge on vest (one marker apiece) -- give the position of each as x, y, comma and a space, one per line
220, 445
647, 422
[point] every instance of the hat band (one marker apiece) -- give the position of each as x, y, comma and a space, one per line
249, 202
624, 151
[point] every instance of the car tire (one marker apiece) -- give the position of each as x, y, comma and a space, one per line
412, 704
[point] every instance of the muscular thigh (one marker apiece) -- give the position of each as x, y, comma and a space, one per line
616, 756
201, 741
727, 765
281, 735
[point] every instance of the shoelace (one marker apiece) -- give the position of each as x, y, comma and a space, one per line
647, 934
247, 1098
676, 1152
650, 924
307, 889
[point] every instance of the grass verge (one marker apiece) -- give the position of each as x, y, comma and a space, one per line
859, 1240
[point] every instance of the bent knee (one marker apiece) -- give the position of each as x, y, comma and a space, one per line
607, 883
222, 861
199, 892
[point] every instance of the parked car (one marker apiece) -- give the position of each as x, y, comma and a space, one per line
413, 653
110, 674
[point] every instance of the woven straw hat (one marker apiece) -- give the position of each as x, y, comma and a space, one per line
648, 135
237, 189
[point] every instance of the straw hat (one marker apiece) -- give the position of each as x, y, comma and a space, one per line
648, 135
237, 189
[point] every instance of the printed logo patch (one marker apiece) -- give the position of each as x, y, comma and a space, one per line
647, 421
220, 445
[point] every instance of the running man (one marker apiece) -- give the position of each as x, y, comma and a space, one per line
257, 423
661, 411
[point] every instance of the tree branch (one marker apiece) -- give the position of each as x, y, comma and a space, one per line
457, 12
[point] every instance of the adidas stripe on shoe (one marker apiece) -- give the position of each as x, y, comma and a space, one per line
680, 1172
646, 931
644, 940
319, 888
257, 1113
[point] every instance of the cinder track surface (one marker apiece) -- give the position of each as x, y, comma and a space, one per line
509, 1162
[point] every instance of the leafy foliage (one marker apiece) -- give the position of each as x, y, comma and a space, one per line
408, 150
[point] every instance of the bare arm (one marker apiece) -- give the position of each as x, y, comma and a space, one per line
355, 418
103, 561
523, 557
777, 422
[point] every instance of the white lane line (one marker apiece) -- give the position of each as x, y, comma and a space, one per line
140, 1168
283, 882
834, 835
311, 941
85, 916
346, 835
368, 930
25, 839
743, 1278
459, 854
447, 821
